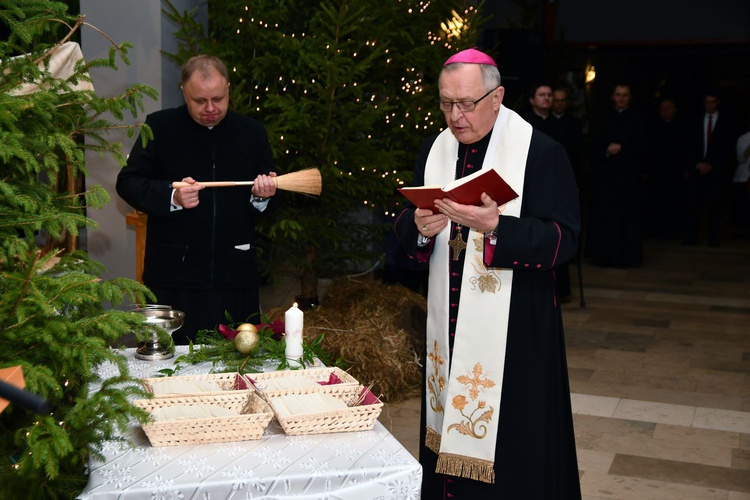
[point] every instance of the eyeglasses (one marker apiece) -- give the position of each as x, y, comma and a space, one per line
463, 106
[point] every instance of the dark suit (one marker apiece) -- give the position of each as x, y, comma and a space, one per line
192, 253
709, 188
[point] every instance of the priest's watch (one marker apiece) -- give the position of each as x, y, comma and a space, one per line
492, 235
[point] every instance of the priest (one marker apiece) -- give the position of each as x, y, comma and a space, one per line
201, 243
496, 413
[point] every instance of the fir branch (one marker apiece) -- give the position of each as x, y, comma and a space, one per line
49, 441
53, 321
71, 30
212, 346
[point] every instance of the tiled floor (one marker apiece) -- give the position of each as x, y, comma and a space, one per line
659, 365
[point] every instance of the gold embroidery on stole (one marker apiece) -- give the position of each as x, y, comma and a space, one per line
473, 426
436, 382
485, 279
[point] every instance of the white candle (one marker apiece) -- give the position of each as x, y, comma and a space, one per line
294, 320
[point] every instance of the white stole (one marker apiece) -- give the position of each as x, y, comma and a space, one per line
463, 400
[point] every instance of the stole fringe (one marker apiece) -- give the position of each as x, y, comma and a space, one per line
432, 440
467, 467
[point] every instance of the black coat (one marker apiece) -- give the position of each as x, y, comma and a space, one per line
614, 237
196, 248
664, 188
720, 151
550, 125
535, 457
571, 137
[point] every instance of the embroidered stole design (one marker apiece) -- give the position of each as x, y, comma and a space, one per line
463, 399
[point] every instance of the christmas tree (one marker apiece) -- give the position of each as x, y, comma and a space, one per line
346, 86
54, 323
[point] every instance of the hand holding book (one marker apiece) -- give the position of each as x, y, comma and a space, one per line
467, 191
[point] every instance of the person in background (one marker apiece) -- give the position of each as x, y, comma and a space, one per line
711, 145
496, 412
617, 154
200, 246
570, 134
540, 117
741, 189
539, 111
571, 130
663, 214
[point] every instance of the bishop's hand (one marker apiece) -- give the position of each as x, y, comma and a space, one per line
482, 219
429, 224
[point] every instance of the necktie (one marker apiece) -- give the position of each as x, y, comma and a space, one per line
710, 128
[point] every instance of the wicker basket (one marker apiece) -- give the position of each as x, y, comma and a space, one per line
255, 414
348, 385
229, 382
354, 418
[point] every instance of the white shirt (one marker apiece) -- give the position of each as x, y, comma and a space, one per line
742, 174
714, 118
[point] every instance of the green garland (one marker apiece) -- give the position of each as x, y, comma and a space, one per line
211, 345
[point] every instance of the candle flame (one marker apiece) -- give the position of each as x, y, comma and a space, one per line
295, 305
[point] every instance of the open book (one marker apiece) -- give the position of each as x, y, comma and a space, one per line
467, 190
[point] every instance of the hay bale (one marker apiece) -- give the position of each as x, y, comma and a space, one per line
378, 330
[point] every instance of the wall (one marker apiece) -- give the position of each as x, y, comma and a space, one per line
654, 21
141, 23
659, 47
635, 21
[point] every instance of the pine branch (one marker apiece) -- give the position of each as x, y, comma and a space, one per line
53, 321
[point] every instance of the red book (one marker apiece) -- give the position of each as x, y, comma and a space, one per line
467, 190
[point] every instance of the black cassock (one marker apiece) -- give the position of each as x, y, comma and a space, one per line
202, 260
614, 237
535, 455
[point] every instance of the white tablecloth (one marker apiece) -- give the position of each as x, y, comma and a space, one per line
346, 466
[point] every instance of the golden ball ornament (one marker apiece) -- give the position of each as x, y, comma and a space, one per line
247, 326
247, 341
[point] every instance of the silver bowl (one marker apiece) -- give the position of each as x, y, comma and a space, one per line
162, 316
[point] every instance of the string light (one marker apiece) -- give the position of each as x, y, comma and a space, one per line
412, 82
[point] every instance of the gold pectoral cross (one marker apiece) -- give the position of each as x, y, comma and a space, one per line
457, 243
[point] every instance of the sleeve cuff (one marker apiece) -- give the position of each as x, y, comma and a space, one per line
172, 206
260, 204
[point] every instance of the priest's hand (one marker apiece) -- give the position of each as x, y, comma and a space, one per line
264, 185
429, 224
614, 149
187, 197
704, 167
482, 219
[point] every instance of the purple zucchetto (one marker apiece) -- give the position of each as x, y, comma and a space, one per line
471, 56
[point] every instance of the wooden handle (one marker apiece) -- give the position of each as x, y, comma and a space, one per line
210, 184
